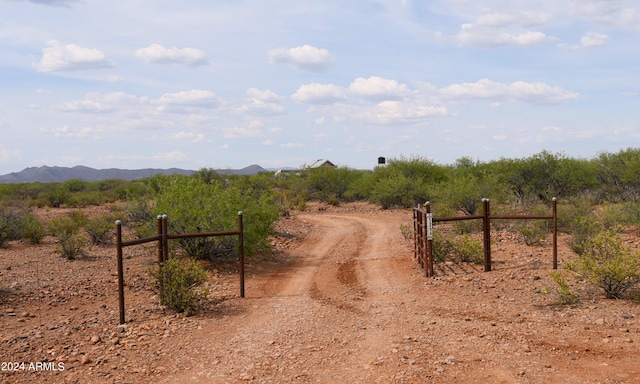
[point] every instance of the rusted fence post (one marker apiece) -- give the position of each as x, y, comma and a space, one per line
165, 239
160, 249
120, 270
241, 251
555, 232
428, 243
486, 232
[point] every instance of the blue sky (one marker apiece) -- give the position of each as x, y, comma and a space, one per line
226, 84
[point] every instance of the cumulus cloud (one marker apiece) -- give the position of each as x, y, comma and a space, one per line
378, 88
263, 95
589, 40
101, 103
537, 93
71, 57
495, 29
319, 94
181, 136
239, 132
61, 3
498, 19
390, 111
194, 98
471, 35
7, 155
158, 54
306, 58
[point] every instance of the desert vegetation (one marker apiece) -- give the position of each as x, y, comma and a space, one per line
598, 203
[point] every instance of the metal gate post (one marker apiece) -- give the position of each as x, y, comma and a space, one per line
555, 233
241, 251
160, 254
486, 232
429, 239
165, 239
120, 270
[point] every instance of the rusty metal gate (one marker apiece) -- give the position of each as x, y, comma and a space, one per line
163, 238
423, 232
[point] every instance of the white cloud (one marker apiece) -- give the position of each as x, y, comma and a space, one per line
494, 29
101, 103
263, 95
390, 111
156, 53
589, 40
607, 12
498, 19
306, 58
61, 3
261, 102
238, 132
181, 136
292, 145
71, 57
593, 39
319, 94
537, 93
169, 157
378, 88
7, 155
194, 98
469, 35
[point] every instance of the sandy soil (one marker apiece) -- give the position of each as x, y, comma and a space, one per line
341, 300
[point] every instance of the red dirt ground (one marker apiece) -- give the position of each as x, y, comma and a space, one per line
340, 300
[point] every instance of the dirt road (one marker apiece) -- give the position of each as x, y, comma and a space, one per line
341, 301
354, 308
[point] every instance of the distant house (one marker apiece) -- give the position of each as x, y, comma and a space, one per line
316, 164
321, 163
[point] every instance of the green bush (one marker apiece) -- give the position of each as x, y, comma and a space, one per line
534, 233
100, 228
66, 229
583, 229
566, 295
56, 195
16, 223
179, 284
607, 263
193, 206
10, 225
32, 229
468, 249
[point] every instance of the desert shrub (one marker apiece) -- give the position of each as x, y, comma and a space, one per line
583, 229
441, 247
607, 263
178, 283
465, 227
194, 206
17, 223
66, 229
86, 198
461, 248
139, 214
565, 294
468, 249
100, 228
407, 231
10, 225
56, 195
534, 233
619, 215
31, 229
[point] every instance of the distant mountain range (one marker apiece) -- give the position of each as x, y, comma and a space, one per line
47, 174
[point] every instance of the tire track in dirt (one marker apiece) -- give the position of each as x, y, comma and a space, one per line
317, 312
